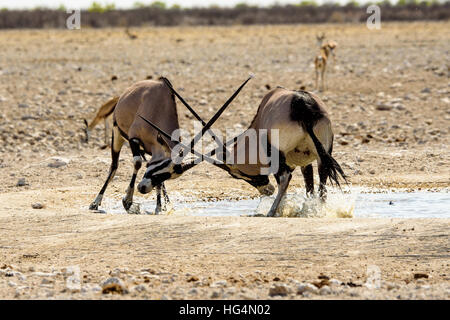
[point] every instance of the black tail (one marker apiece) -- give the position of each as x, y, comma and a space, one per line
306, 111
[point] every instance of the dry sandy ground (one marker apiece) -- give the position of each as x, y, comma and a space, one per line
388, 95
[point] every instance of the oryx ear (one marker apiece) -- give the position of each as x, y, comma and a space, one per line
161, 141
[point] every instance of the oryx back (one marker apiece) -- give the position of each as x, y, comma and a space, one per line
152, 100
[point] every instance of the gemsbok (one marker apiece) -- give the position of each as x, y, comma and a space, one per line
152, 100
303, 128
320, 62
102, 114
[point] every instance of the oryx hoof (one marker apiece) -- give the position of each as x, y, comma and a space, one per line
103, 147
271, 214
134, 209
93, 206
126, 203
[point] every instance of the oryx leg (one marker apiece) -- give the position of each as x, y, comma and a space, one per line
308, 176
323, 78
317, 79
166, 196
116, 145
283, 177
127, 200
160, 205
107, 141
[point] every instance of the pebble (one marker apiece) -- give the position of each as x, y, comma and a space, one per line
325, 290
306, 287
58, 162
278, 290
114, 285
140, 288
219, 284
22, 182
37, 205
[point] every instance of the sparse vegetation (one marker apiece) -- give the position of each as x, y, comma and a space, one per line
157, 13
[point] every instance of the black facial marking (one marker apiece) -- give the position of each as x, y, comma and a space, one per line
165, 163
160, 178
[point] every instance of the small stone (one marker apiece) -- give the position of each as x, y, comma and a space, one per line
215, 294
325, 290
193, 291
46, 281
114, 285
37, 205
278, 290
140, 288
372, 171
22, 182
334, 282
306, 287
58, 162
23, 105
383, 107
219, 284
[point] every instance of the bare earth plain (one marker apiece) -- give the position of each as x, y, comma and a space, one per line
388, 97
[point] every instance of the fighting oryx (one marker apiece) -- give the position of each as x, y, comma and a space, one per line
301, 122
102, 114
152, 100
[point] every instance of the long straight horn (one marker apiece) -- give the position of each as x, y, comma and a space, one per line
165, 134
167, 82
217, 115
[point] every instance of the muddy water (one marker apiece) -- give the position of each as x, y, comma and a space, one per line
355, 204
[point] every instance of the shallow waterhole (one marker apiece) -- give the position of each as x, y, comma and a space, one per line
380, 204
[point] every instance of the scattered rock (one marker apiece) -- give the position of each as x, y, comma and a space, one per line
219, 284
278, 290
114, 286
306, 287
421, 276
58, 162
192, 279
140, 288
325, 290
22, 182
383, 107
37, 205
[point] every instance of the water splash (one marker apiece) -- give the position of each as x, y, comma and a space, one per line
338, 205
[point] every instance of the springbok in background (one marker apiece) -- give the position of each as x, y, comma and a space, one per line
102, 114
320, 62
130, 35
320, 38
152, 100
304, 135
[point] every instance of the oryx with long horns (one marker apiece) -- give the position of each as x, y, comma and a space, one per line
297, 131
153, 100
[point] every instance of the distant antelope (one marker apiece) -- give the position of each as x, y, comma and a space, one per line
131, 35
154, 100
305, 135
102, 114
320, 62
320, 38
